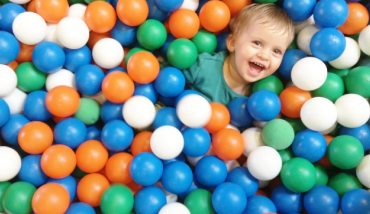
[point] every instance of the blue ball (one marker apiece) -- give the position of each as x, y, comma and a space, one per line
170, 82
35, 108
356, 201
9, 47
89, 79
117, 135
76, 58
10, 130
328, 44
169, 5
211, 171
111, 111
310, 145
221, 42
124, 34
8, 12
264, 105
331, 14
149, 200
146, 169
291, 57
287, 201
114, 3
321, 200
229, 198
259, 205
80, 208
299, 10
242, 177
194, 186
70, 132
177, 177
31, 171
69, 183
167, 116
116, 69
180, 157
93, 133
197, 141
183, 94
170, 38
155, 12
239, 113
4, 112
48, 57
362, 133
167, 101
146, 90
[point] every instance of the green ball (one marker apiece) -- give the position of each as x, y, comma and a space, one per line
298, 175
321, 175
293, 45
345, 152
132, 52
91, 1
76, 2
358, 81
343, 182
271, 83
151, 34
296, 123
332, 89
29, 77
182, 53
88, 112
199, 201
205, 41
340, 72
117, 198
3, 186
4, 1
286, 154
17, 198
278, 134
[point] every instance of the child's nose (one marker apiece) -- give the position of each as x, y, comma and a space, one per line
263, 55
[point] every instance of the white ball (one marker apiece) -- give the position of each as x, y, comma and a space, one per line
108, 53
15, 101
252, 139
264, 163
318, 114
138, 112
51, 34
298, 26
230, 165
29, 28
10, 163
8, 80
194, 111
99, 97
349, 57
309, 73
174, 207
20, 1
194, 160
170, 197
329, 130
353, 110
72, 32
363, 171
305, 36
190, 4
61, 77
77, 11
364, 40
166, 142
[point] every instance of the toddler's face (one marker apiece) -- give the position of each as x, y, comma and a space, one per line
258, 51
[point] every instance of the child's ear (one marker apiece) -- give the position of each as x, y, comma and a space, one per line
230, 42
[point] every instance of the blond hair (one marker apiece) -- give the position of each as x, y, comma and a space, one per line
265, 14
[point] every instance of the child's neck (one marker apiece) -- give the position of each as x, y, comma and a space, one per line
234, 80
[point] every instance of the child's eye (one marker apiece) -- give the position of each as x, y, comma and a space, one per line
277, 51
257, 43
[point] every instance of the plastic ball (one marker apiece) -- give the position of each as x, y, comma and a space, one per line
287, 201
151, 34
252, 139
100, 16
58, 161
146, 90
117, 169
333, 88
132, 12
51, 34
91, 156
29, 28
331, 14
184, 23
93, 133
77, 9
8, 13
362, 133
194, 111
264, 163
318, 114
259, 204
110, 111
10, 163
62, 101
210, 171
91, 188
124, 34
80, 207
355, 201
167, 116
143, 67
167, 142
118, 87
16, 101
345, 152
278, 134
174, 207
117, 198
242, 177
271, 83
49, 198
170, 82
25, 53
363, 40
117, 135
229, 198
343, 183
357, 20
321, 199
29, 77
299, 10
35, 137
4, 112
356, 81
139, 112
221, 42
214, 16
89, 79
228, 144
177, 177
199, 200
70, 132
197, 141
89, 111
298, 175
264, 105
69, 183
141, 143
48, 57
310, 145
10, 130
8, 80
362, 171
239, 114
108, 53
236, 6
349, 57
155, 12
292, 100
72, 32
17, 197
182, 53
353, 110
304, 38
61, 77
220, 118
146, 169
9, 47
309, 73
328, 44
52, 11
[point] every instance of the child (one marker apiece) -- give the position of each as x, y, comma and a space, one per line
259, 38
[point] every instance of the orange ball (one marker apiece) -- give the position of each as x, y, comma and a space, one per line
235, 6
35, 137
325, 162
62, 101
91, 188
134, 187
91, 156
100, 16
52, 11
184, 23
214, 16
143, 67
95, 37
220, 118
132, 12
32, 6
50, 198
260, 192
13, 65
228, 144
25, 53
118, 168
118, 87
141, 143
58, 161
358, 18
292, 100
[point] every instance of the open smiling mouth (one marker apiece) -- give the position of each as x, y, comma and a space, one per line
255, 68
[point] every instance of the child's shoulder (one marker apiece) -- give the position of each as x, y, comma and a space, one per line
215, 56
